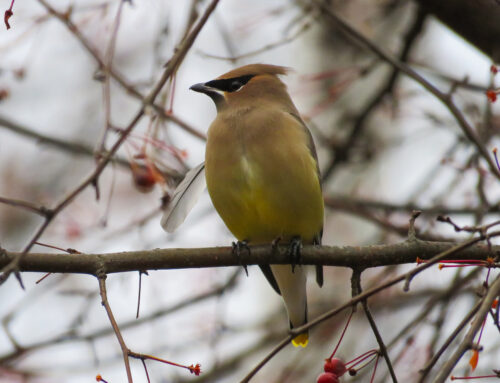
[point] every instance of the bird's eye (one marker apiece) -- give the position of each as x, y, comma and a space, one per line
235, 85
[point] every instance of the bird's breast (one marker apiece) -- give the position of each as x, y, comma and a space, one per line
262, 178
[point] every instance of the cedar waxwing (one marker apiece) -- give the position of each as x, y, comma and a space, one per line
262, 175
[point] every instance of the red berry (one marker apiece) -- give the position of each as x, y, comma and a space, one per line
327, 377
144, 179
336, 366
492, 95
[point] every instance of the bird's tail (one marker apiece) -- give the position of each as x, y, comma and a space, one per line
301, 340
293, 290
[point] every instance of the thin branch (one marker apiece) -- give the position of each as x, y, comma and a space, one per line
123, 346
468, 341
445, 98
342, 152
438, 297
170, 69
108, 63
162, 312
368, 293
235, 360
265, 48
67, 146
383, 223
285, 342
29, 206
463, 323
349, 203
356, 281
117, 76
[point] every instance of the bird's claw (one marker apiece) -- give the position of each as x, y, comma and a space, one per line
294, 252
275, 243
237, 249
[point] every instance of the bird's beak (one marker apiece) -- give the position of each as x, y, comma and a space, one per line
213, 93
201, 88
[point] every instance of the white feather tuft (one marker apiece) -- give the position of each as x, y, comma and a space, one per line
184, 198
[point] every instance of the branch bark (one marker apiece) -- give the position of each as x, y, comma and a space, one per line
164, 259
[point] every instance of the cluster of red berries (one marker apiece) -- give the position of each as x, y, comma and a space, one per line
493, 93
334, 369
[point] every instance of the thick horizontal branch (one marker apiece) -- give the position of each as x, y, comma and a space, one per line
347, 256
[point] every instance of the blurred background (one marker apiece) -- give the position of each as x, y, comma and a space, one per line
386, 146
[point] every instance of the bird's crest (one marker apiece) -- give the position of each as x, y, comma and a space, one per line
255, 70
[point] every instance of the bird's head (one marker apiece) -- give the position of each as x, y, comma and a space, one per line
244, 84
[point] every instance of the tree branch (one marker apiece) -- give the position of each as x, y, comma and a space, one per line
92, 178
63, 17
350, 203
467, 343
164, 259
407, 277
356, 281
443, 97
123, 346
476, 21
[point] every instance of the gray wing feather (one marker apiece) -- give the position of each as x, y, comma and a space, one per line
184, 198
312, 148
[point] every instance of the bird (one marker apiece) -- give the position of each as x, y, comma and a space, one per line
261, 171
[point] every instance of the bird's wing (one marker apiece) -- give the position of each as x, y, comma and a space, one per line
312, 148
184, 198
268, 273
310, 144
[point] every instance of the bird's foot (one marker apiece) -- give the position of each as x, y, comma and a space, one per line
237, 249
275, 243
294, 252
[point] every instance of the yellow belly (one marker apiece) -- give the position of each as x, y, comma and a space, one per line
264, 183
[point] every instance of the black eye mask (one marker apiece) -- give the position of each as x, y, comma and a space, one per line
230, 84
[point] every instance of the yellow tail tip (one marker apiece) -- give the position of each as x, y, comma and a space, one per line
301, 340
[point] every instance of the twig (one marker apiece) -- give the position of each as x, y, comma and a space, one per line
29, 206
123, 346
193, 369
229, 365
65, 338
108, 63
445, 98
170, 69
401, 230
412, 234
356, 281
342, 153
145, 369
403, 277
265, 48
444, 255
467, 343
444, 296
348, 203
463, 323
67, 146
359, 298
285, 342
118, 77
380, 341
139, 293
